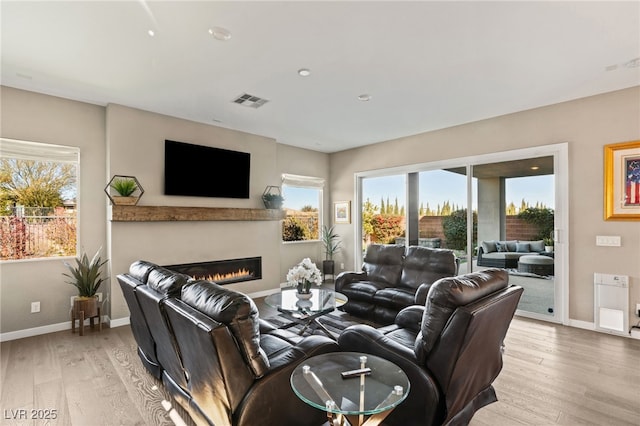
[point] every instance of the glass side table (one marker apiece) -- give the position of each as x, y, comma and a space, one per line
364, 399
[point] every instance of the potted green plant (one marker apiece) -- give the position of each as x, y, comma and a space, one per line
86, 276
125, 187
548, 244
331, 246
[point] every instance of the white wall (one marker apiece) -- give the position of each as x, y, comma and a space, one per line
122, 140
47, 119
585, 124
135, 146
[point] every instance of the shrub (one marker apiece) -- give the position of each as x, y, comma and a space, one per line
454, 227
543, 218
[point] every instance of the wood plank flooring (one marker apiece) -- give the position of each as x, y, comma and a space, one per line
553, 375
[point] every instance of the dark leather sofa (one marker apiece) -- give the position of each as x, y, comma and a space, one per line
220, 361
393, 278
451, 348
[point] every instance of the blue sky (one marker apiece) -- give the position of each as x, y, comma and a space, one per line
436, 187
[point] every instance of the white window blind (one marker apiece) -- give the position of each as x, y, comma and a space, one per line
302, 181
23, 150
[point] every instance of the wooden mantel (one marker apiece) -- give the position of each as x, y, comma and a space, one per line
176, 213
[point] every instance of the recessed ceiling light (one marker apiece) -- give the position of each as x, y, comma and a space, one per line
220, 33
364, 97
151, 33
304, 72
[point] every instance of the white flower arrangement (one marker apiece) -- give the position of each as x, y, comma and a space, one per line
303, 275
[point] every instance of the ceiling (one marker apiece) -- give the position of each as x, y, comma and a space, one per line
426, 65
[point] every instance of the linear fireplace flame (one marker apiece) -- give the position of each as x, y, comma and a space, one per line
223, 271
240, 275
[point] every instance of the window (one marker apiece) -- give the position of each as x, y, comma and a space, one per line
303, 206
38, 200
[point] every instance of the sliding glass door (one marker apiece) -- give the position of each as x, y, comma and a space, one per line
498, 210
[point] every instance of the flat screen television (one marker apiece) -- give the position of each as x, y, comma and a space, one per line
204, 171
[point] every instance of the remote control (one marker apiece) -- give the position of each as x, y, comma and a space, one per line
356, 373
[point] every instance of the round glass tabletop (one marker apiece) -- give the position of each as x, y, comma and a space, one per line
321, 300
318, 382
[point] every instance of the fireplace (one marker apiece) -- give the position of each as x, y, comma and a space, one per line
223, 271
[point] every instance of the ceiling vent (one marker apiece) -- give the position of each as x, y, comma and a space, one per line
250, 101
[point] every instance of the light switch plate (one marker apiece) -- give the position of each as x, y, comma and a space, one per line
608, 240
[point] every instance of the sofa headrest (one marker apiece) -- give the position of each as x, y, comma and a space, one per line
235, 310
384, 262
140, 270
426, 265
447, 294
166, 281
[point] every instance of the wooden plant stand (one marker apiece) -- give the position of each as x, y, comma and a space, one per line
85, 308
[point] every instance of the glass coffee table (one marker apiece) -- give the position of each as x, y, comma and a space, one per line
360, 399
306, 311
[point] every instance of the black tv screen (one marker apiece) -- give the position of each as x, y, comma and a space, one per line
204, 171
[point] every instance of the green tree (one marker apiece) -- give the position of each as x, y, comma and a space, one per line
454, 227
35, 183
369, 210
308, 208
523, 205
543, 218
293, 229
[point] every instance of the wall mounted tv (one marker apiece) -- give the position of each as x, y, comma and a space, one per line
204, 171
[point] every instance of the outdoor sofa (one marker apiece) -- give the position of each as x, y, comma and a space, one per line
505, 254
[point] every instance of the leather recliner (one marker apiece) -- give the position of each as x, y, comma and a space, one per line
137, 276
393, 278
215, 356
238, 367
451, 348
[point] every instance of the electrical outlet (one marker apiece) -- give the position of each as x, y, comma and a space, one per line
35, 307
342, 266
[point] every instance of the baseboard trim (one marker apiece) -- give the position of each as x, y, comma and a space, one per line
45, 329
582, 324
113, 323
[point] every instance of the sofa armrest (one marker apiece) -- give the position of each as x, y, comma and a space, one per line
410, 317
424, 404
421, 294
348, 277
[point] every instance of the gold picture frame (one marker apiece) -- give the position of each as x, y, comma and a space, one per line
342, 212
622, 181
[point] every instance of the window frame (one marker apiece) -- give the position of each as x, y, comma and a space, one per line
311, 183
46, 152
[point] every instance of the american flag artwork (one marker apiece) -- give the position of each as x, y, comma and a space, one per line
632, 182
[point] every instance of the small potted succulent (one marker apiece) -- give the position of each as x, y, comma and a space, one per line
124, 190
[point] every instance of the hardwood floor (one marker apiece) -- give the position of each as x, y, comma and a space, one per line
553, 375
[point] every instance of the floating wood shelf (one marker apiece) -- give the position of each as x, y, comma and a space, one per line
175, 213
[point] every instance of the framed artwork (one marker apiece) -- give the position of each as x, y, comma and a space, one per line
342, 212
622, 181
